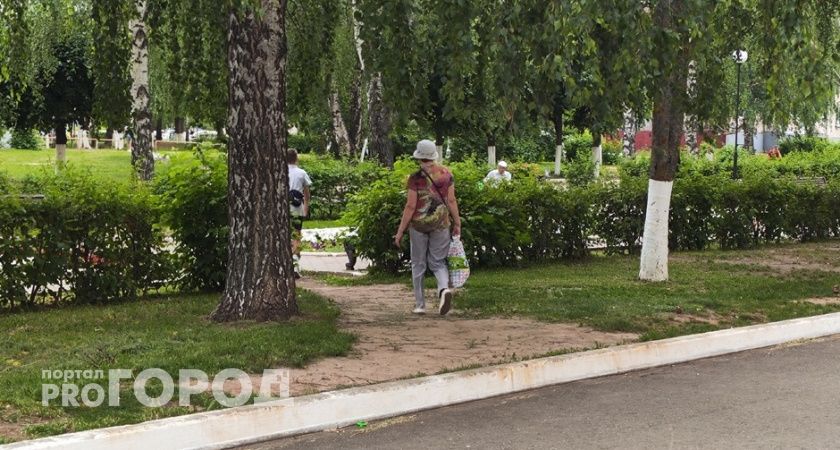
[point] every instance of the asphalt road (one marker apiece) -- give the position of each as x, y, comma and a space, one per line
782, 397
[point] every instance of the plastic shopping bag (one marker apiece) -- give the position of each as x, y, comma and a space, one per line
459, 267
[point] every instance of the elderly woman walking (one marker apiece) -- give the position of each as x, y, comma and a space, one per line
430, 210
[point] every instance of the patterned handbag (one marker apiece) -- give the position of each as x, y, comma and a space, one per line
459, 266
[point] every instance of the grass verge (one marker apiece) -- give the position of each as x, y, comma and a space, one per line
167, 333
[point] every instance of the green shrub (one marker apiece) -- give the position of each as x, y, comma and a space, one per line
576, 145
529, 220
25, 140
305, 143
801, 144
192, 196
612, 152
334, 181
86, 242
620, 214
580, 171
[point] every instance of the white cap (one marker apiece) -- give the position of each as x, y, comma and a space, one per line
503, 164
426, 149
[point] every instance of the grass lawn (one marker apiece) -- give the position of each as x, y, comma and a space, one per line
114, 165
167, 333
315, 224
708, 290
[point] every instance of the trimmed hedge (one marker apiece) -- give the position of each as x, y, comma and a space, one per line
85, 242
531, 221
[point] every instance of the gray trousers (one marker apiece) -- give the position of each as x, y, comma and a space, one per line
428, 251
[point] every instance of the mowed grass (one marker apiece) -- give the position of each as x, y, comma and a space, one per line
705, 292
112, 165
170, 333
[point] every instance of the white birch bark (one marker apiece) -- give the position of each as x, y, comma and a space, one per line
491, 155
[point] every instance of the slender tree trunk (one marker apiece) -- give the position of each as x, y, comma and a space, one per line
491, 150
354, 128
60, 144
260, 278
748, 136
141, 145
109, 133
439, 140
629, 133
668, 120
380, 123
559, 153
159, 130
340, 134
597, 153
180, 129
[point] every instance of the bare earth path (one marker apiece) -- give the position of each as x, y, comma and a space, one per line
394, 344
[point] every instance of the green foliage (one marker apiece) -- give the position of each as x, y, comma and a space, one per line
334, 181
612, 152
110, 62
824, 162
25, 140
193, 203
580, 171
577, 145
85, 242
307, 143
529, 221
802, 144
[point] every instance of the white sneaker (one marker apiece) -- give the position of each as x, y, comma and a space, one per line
419, 310
445, 303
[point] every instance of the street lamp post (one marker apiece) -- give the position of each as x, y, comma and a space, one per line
740, 57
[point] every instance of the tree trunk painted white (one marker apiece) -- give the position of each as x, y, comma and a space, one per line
439, 148
654, 266
491, 155
117, 140
61, 153
559, 156
47, 140
141, 144
597, 158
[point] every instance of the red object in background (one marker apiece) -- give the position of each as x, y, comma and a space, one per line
774, 153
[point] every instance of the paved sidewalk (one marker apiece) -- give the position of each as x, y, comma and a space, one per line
782, 397
330, 263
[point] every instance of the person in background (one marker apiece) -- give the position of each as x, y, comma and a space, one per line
430, 210
299, 201
499, 174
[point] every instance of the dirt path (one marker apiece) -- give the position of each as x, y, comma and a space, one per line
394, 344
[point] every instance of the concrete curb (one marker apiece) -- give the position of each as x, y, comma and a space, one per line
286, 417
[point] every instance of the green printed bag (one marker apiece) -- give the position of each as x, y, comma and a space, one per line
459, 266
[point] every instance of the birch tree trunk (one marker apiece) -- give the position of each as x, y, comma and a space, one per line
354, 129
668, 119
141, 145
260, 278
340, 134
380, 123
629, 130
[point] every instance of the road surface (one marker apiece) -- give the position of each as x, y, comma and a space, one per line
781, 397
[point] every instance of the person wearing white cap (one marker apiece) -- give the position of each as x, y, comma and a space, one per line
431, 209
499, 174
